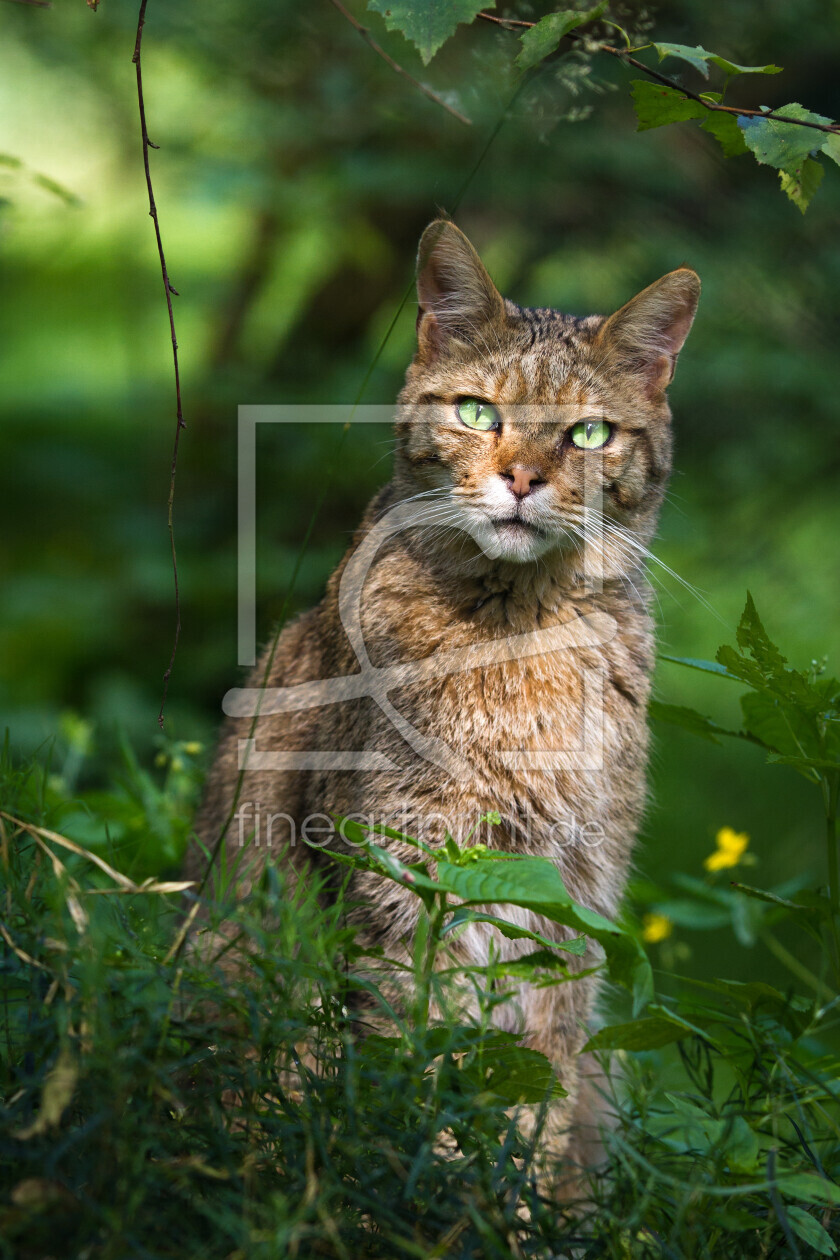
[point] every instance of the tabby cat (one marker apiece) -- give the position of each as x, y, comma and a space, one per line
533, 451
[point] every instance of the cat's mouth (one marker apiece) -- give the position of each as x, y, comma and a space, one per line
517, 524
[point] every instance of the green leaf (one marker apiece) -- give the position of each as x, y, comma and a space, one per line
688, 719
427, 23
810, 1188
741, 1146
512, 930
831, 147
781, 726
540, 41
699, 59
649, 1033
515, 1074
725, 129
535, 884
706, 667
776, 143
802, 182
656, 105
811, 1231
731, 67
696, 57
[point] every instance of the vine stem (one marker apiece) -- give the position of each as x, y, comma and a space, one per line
169, 291
623, 55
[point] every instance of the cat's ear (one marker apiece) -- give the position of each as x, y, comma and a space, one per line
455, 294
647, 334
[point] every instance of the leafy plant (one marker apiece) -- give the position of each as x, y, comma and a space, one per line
789, 138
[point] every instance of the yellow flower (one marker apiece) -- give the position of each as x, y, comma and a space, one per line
656, 927
730, 849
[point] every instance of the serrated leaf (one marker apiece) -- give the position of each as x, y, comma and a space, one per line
800, 183
535, 884
656, 105
810, 1231
516, 1074
831, 147
427, 23
726, 131
810, 1188
540, 41
696, 57
781, 726
777, 143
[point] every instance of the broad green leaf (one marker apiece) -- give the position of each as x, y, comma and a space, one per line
725, 129
656, 105
777, 143
427, 23
831, 147
699, 58
515, 1074
688, 719
810, 1188
811, 1231
539, 41
696, 57
535, 884
648, 1033
802, 182
779, 725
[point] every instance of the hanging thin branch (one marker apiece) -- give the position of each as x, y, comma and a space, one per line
624, 55
169, 291
368, 38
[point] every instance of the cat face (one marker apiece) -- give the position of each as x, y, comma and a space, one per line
529, 429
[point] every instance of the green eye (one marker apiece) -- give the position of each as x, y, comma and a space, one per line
590, 434
476, 414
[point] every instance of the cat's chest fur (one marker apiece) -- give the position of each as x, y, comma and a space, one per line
549, 729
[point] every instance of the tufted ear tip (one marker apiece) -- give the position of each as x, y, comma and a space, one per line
455, 295
646, 335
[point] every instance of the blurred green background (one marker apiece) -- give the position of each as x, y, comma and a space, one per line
295, 174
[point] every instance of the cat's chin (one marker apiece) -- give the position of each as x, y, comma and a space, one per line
517, 541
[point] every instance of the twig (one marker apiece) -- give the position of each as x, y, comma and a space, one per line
168, 290
368, 38
712, 106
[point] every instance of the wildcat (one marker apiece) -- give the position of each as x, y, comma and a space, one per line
533, 451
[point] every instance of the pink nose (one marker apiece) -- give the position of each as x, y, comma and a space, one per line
522, 480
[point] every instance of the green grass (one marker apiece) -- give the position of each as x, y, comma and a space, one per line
155, 1105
